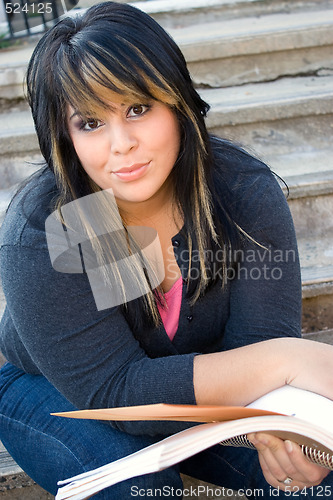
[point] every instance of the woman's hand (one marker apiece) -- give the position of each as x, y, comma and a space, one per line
281, 460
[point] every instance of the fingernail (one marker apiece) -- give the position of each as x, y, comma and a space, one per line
289, 446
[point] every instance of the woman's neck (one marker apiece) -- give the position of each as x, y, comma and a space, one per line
154, 212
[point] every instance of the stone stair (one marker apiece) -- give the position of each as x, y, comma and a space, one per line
266, 69
257, 49
183, 13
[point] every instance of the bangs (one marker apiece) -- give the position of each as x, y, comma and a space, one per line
92, 82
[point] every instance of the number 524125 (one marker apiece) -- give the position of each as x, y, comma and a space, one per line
33, 8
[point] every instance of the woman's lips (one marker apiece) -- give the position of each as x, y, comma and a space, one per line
131, 173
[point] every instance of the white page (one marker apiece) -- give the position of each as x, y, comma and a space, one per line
299, 403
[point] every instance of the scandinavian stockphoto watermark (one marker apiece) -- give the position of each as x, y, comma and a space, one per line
133, 262
261, 263
72, 243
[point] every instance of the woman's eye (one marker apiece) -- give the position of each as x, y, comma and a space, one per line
137, 109
91, 124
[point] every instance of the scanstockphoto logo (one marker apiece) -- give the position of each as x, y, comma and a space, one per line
94, 222
35, 16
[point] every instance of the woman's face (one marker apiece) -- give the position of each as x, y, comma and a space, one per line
132, 148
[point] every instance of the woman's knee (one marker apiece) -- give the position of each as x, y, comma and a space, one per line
51, 448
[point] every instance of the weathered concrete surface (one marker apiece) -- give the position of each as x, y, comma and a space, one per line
17, 133
14, 169
316, 255
308, 172
13, 65
275, 32
21, 487
313, 216
257, 49
175, 13
318, 312
325, 336
271, 101
238, 70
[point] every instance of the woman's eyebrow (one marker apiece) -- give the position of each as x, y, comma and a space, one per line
111, 108
74, 114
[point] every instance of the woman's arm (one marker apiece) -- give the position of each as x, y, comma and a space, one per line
240, 376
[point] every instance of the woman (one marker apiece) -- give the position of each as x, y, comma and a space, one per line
115, 112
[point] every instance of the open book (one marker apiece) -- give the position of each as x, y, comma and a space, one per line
289, 413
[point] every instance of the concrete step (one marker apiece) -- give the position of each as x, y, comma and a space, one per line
254, 49
309, 179
304, 169
13, 65
275, 118
17, 132
316, 254
175, 14
310, 200
19, 149
325, 336
312, 212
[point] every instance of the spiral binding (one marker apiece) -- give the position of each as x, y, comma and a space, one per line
316, 456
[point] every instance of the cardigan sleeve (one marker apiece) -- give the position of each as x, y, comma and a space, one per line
90, 356
265, 286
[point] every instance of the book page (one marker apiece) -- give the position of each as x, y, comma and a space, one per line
299, 403
185, 444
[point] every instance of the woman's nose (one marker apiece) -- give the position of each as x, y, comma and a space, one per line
122, 139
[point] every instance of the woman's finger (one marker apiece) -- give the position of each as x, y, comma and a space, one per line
284, 464
313, 474
275, 459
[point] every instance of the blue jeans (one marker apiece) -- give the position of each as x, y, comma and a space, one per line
50, 448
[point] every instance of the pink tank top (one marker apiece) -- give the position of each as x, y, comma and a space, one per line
170, 313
